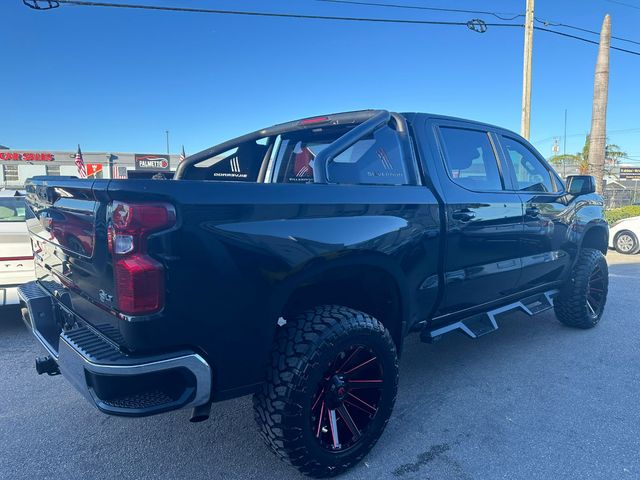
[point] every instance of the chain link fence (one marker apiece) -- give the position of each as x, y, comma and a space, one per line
616, 196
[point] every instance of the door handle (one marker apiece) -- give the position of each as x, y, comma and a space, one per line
532, 211
463, 215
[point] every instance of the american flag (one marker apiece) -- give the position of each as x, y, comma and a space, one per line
119, 171
182, 155
82, 171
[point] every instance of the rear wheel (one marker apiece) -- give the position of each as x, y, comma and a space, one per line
330, 389
581, 300
626, 242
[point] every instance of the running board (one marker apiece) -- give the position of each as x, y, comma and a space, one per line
480, 324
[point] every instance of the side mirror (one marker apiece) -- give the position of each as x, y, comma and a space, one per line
581, 184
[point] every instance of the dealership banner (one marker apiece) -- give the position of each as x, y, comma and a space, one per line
151, 162
630, 173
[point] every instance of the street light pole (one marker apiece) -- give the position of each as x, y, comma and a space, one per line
564, 147
110, 164
167, 132
526, 71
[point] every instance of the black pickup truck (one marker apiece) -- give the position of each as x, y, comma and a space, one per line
291, 262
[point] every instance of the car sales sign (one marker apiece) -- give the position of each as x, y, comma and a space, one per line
27, 156
152, 162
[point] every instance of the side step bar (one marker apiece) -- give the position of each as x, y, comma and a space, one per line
480, 324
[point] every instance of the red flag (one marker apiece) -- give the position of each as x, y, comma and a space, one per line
82, 171
182, 155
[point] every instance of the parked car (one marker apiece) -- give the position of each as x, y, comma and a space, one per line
291, 262
624, 235
16, 258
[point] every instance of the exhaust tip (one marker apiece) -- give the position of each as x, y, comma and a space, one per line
200, 413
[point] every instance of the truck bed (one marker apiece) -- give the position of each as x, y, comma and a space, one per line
233, 242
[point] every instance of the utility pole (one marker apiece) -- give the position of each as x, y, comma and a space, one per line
598, 137
526, 71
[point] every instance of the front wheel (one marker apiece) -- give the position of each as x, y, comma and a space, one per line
581, 300
330, 389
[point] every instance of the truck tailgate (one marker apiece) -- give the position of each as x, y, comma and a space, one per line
68, 233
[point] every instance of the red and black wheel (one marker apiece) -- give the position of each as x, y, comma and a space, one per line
330, 389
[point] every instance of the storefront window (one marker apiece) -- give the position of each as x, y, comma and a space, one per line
11, 174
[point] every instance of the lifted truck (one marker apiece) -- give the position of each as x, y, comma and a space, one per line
291, 262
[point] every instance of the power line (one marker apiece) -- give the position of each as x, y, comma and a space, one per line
609, 132
584, 40
475, 24
499, 15
580, 29
508, 16
625, 4
41, 4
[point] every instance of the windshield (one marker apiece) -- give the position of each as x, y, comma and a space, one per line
12, 209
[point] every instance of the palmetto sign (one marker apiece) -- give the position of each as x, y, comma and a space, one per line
152, 162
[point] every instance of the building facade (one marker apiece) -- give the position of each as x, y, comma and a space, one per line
18, 165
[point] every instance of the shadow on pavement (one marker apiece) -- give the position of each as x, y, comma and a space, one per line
10, 318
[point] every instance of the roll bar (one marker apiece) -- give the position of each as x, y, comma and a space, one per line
326, 156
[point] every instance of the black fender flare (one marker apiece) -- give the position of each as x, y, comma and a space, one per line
322, 266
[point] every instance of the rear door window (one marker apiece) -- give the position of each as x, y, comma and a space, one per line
470, 158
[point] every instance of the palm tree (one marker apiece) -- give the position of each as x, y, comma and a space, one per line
613, 153
597, 143
581, 159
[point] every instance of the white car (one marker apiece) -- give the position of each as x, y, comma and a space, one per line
624, 235
16, 257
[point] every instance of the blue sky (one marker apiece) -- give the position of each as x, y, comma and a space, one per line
115, 80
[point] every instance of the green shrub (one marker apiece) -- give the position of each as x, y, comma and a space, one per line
616, 214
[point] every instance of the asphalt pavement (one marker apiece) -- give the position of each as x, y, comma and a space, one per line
534, 400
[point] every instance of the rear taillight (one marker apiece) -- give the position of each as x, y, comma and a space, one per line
139, 279
139, 284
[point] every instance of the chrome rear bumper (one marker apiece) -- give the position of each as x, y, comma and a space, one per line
117, 383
